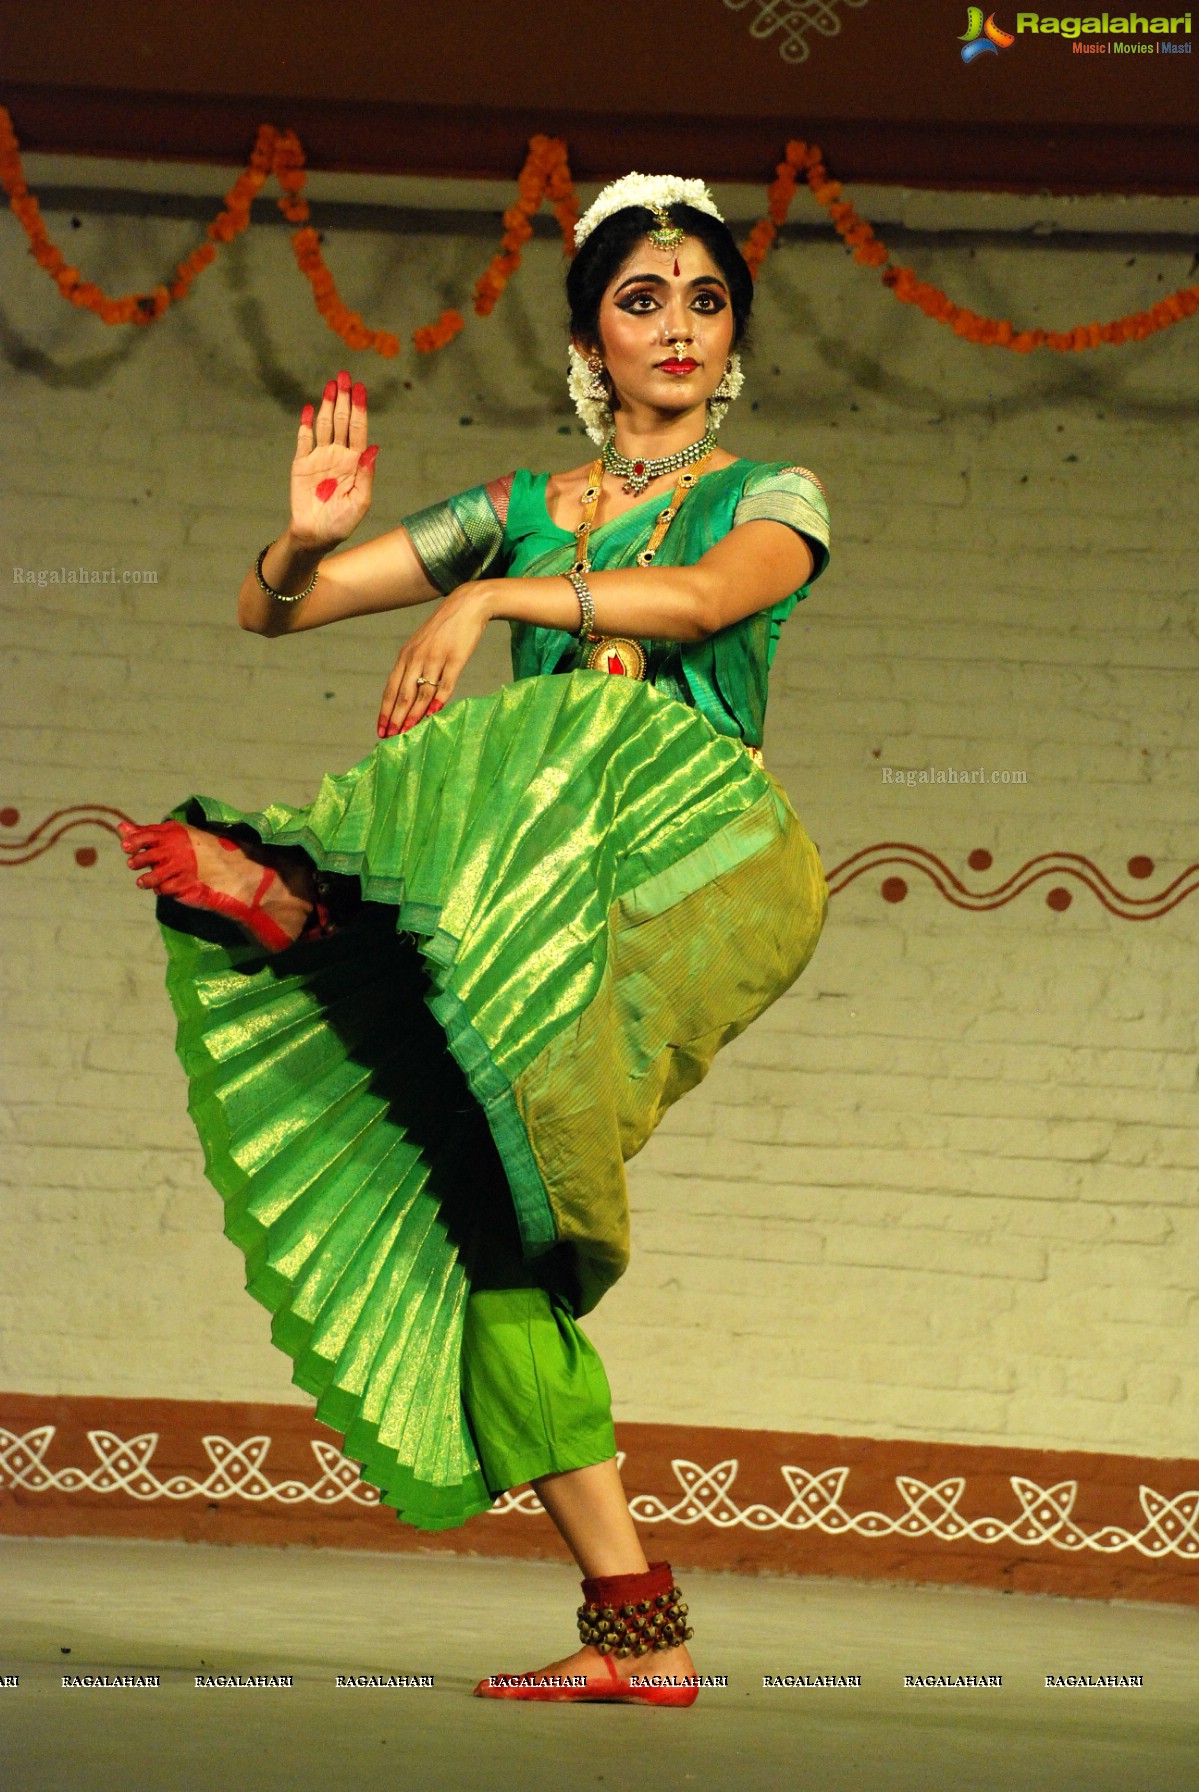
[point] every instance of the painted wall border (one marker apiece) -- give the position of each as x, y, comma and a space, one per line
865, 862
1075, 1523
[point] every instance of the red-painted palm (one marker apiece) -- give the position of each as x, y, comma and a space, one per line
332, 475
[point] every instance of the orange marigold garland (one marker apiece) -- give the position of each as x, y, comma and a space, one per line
275, 152
857, 234
288, 167
545, 175
434, 336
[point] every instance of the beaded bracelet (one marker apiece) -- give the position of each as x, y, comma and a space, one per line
586, 605
282, 597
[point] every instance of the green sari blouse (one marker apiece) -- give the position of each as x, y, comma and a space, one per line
505, 530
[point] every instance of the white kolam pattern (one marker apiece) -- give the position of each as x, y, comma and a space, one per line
929, 1509
794, 19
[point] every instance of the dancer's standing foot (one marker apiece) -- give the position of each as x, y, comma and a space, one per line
630, 1605
270, 896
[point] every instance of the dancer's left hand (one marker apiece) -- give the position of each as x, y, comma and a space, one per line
436, 653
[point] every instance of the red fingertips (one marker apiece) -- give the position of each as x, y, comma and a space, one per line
368, 457
331, 391
358, 393
306, 416
344, 381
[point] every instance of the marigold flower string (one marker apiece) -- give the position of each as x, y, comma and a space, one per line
545, 176
996, 332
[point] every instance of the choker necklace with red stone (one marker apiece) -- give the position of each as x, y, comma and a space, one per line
638, 473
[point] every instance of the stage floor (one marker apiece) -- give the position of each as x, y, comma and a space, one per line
98, 1607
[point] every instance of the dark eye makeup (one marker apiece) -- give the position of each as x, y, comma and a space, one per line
712, 301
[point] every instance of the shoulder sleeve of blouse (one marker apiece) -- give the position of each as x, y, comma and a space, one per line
775, 493
463, 538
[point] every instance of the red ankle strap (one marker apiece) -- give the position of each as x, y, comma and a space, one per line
319, 923
628, 1589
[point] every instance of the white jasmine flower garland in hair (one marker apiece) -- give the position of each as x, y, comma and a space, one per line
644, 189
594, 413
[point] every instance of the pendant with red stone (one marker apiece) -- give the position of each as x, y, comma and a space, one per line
637, 480
617, 654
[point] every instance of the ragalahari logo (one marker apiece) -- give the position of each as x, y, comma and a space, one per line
983, 38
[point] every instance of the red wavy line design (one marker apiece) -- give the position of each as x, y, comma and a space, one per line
1056, 865
49, 832
884, 856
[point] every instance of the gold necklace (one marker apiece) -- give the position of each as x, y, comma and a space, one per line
620, 653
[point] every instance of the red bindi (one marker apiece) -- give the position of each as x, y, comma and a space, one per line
326, 489
676, 266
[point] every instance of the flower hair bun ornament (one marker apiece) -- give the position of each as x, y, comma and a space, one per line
654, 191
726, 391
595, 413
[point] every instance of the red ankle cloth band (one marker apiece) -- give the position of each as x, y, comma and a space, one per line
629, 1589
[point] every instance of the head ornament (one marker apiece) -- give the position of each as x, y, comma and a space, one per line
655, 191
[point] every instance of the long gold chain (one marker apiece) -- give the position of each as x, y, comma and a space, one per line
688, 478
621, 653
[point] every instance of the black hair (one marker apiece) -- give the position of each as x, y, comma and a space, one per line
611, 243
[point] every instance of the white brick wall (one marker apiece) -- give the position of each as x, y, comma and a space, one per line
946, 1188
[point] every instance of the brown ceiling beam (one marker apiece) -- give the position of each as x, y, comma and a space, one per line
471, 142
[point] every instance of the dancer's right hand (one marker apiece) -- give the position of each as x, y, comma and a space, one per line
333, 471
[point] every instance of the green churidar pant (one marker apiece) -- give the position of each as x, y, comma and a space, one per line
534, 1389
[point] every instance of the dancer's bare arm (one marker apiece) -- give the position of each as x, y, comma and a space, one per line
332, 477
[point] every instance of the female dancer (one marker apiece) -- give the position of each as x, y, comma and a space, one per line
428, 1018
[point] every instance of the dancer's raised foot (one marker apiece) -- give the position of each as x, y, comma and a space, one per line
269, 896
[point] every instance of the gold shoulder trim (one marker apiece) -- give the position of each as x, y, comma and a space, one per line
808, 474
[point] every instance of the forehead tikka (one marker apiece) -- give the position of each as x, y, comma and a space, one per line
666, 236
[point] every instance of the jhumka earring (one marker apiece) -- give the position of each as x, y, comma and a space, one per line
596, 388
731, 382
